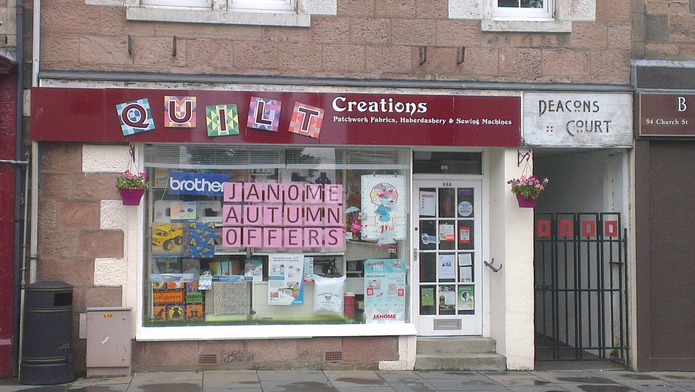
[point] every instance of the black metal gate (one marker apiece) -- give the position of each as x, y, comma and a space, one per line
580, 287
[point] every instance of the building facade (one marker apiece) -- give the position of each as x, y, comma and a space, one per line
662, 76
323, 176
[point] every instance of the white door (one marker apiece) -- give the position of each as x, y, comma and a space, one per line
447, 244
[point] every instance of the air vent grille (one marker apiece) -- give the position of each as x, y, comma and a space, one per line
334, 356
207, 358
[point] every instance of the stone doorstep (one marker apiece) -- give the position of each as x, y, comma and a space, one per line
465, 344
458, 353
462, 361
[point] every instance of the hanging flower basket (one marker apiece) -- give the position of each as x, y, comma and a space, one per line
131, 197
527, 190
525, 202
131, 184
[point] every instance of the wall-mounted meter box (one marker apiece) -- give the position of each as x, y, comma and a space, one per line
109, 343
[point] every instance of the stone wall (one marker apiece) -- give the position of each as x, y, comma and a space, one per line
70, 237
315, 353
664, 30
372, 39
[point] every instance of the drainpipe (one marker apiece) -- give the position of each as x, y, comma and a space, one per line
20, 175
36, 43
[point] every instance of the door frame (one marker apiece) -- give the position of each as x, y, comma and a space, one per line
485, 244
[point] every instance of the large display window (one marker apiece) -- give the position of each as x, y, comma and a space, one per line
239, 235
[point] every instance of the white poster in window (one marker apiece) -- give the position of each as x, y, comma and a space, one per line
466, 274
428, 204
466, 298
465, 267
384, 291
447, 266
447, 298
465, 259
286, 279
447, 232
383, 208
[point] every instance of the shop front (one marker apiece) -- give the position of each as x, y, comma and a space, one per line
664, 216
281, 229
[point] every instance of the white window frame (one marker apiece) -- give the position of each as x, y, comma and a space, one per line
519, 13
286, 13
562, 13
178, 3
264, 5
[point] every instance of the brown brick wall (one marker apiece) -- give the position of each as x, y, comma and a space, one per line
266, 354
374, 39
69, 237
663, 30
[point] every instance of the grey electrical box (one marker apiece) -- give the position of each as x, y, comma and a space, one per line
109, 344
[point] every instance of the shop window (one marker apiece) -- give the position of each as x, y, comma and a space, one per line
275, 236
292, 13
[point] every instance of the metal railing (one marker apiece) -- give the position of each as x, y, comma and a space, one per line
580, 283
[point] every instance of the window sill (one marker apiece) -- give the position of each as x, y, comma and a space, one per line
526, 26
272, 331
287, 19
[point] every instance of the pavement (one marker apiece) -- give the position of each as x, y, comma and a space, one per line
576, 380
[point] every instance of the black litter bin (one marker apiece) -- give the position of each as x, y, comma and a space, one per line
47, 353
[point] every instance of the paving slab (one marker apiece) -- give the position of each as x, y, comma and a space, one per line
406, 381
566, 376
517, 379
345, 379
294, 380
97, 384
543, 388
32, 388
291, 375
101, 388
231, 380
597, 388
298, 386
166, 382
461, 381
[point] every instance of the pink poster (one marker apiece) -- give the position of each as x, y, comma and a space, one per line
334, 216
333, 194
232, 215
334, 238
272, 215
313, 193
272, 237
313, 215
231, 237
253, 237
293, 215
293, 237
253, 215
232, 192
313, 237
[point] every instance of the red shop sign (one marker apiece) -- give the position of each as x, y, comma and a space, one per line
231, 117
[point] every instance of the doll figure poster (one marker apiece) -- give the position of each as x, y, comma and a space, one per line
383, 207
